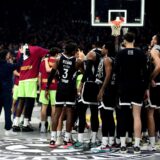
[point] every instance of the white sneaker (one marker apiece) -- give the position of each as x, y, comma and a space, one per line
151, 148
59, 141
101, 149
10, 133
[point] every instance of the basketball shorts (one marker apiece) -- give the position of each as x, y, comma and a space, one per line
109, 99
51, 98
155, 97
89, 94
15, 92
66, 97
27, 88
131, 96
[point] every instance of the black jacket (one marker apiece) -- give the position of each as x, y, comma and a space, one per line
6, 74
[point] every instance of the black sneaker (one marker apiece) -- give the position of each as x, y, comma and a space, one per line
123, 150
27, 129
137, 150
145, 139
52, 144
16, 129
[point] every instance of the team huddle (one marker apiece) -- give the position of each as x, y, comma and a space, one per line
125, 84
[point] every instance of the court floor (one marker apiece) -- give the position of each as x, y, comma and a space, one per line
35, 146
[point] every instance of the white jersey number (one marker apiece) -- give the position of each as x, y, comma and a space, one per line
65, 75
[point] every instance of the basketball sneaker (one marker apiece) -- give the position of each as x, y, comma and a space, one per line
10, 133
16, 129
59, 141
123, 150
137, 150
79, 145
27, 129
101, 149
66, 145
151, 148
52, 144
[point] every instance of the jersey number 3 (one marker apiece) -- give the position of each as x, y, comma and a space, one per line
65, 74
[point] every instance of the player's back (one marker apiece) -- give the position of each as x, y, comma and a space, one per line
67, 70
132, 63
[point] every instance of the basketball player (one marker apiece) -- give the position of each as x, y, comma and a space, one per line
154, 90
67, 66
131, 73
107, 96
89, 91
27, 88
45, 68
15, 90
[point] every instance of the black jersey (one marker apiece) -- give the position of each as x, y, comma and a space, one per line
94, 69
131, 68
67, 70
101, 74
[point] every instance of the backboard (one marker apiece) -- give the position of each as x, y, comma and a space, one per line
105, 11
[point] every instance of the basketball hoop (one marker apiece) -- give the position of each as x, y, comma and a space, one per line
116, 26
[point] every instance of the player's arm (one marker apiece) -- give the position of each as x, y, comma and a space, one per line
47, 66
108, 70
52, 74
156, 61
19, 62
91, 57
16, 73
80, 65
39, 80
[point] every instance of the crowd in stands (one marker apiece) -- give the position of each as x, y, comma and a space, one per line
56, 22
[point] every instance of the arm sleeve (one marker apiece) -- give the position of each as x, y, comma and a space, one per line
50, 78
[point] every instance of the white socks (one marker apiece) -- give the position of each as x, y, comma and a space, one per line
152, 141
111, 141
104, 141
123, 141
26, 122
59, 133
80, 137
137, 142
67, 136
16, 121
53, 135
93, 137
42, 123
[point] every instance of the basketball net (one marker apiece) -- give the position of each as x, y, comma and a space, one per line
116, 26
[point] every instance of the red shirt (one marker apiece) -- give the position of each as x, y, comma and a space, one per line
45, 74
30, 67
